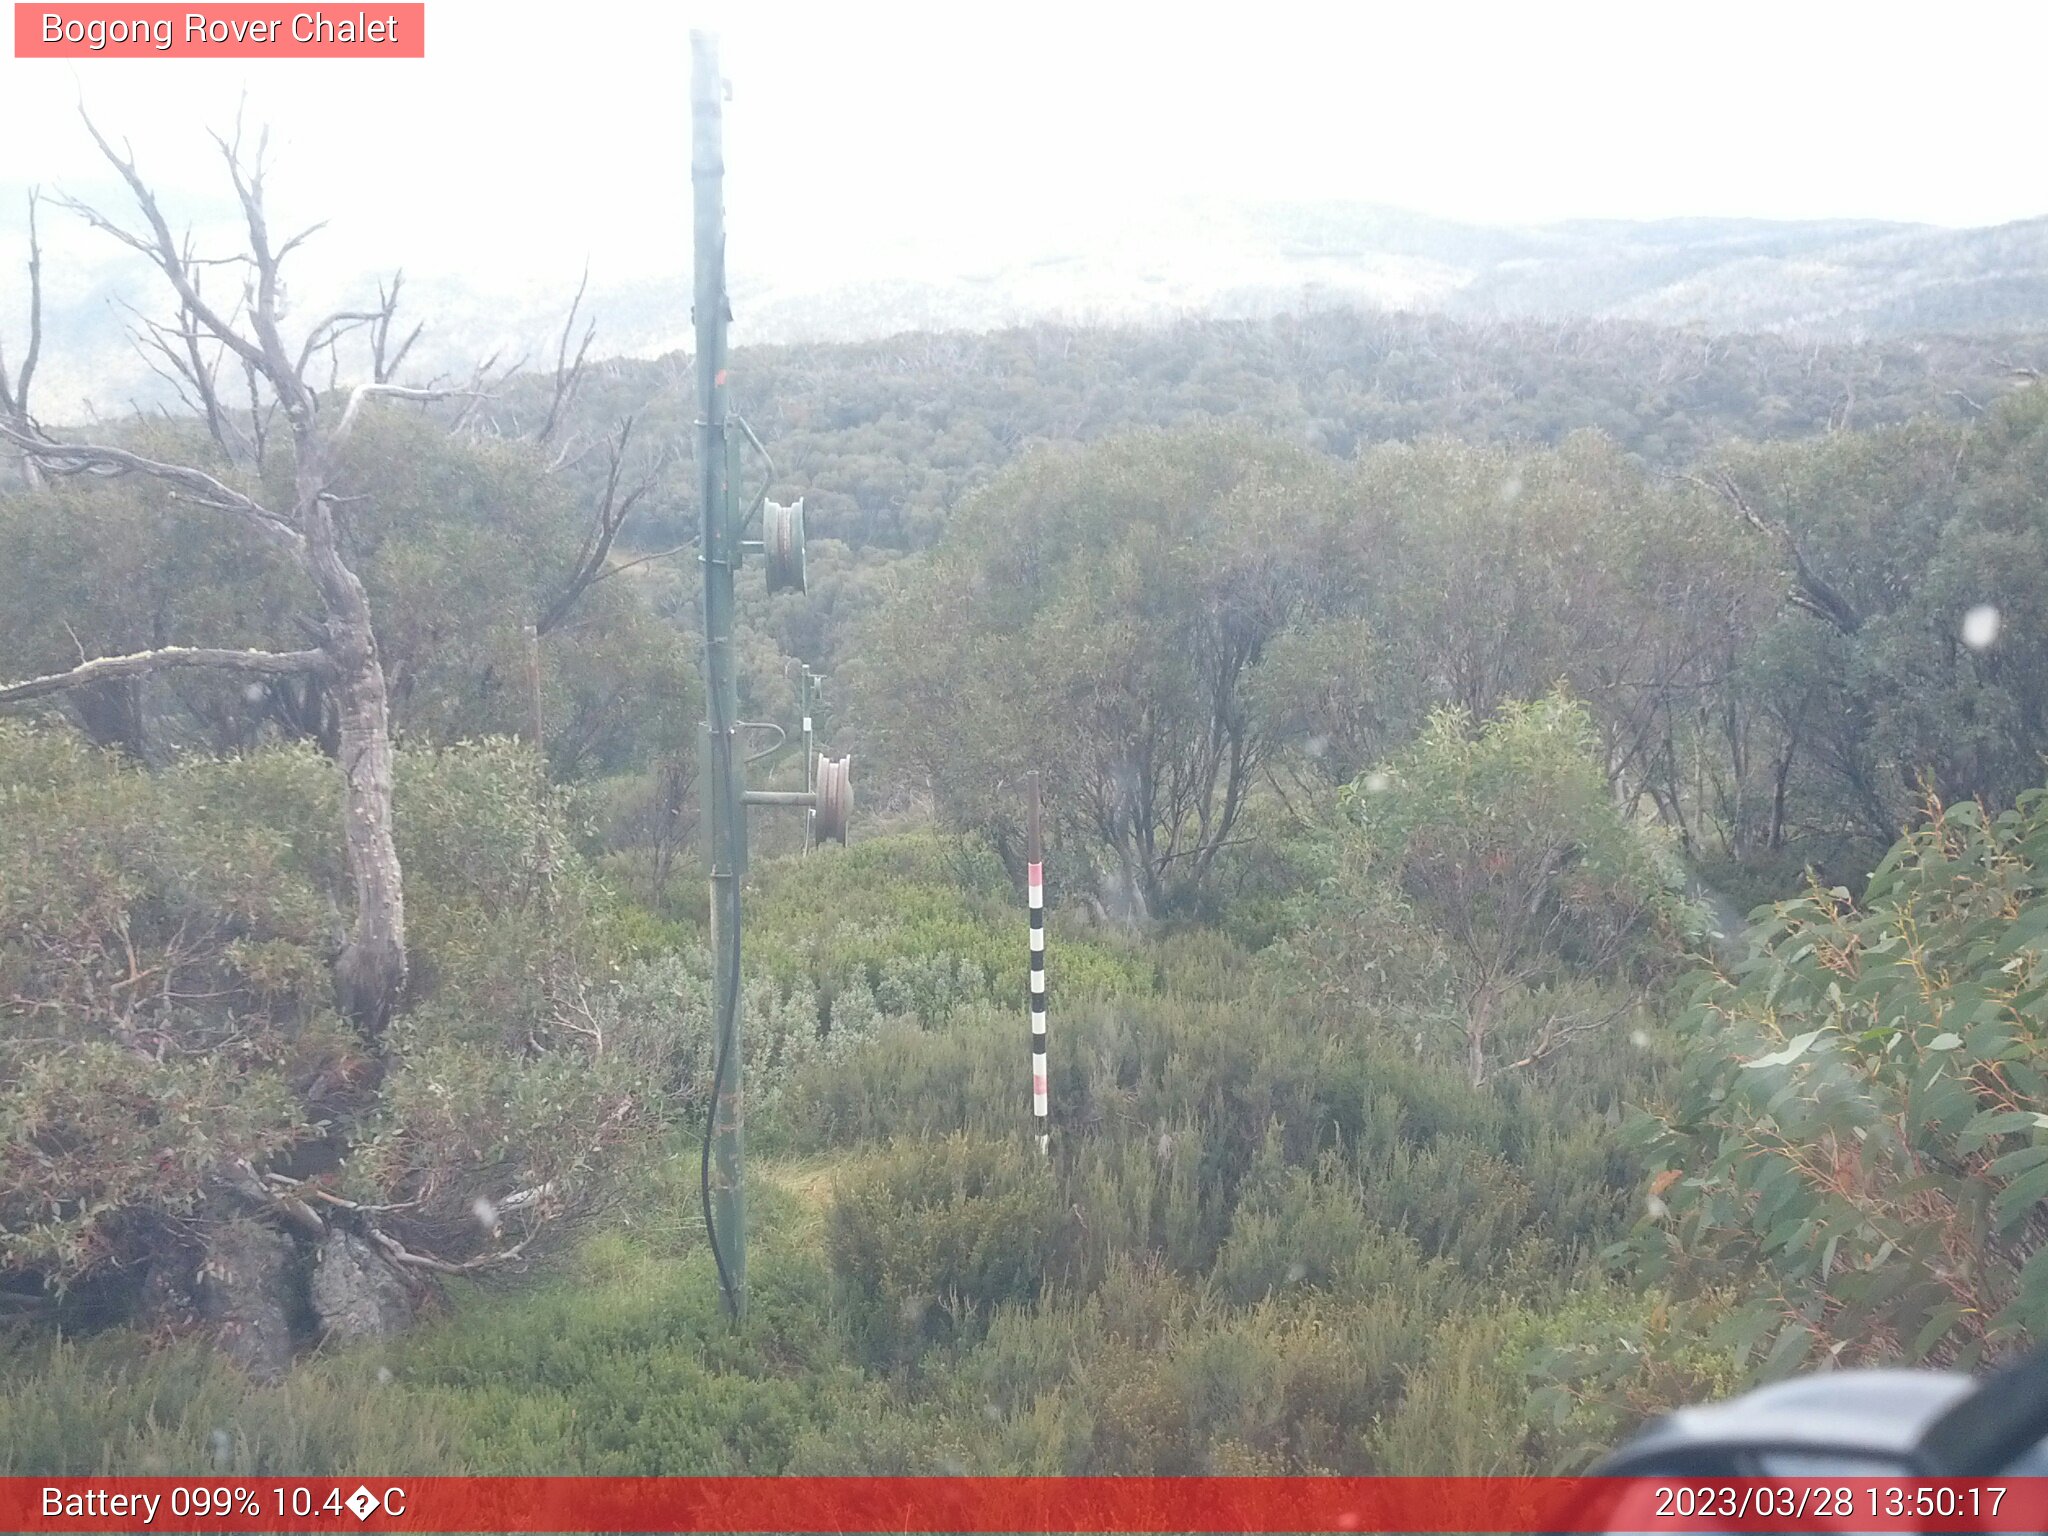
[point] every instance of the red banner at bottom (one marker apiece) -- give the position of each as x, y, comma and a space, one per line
1020, 1504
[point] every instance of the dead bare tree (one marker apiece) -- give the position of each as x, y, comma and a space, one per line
614, 506
568, 371
14, 391
386, 359
370, 970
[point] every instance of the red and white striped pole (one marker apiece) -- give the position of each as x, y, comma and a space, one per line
1034, 853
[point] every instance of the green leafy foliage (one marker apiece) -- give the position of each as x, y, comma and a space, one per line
1860, 1124
888, 436
1267, 1242
165, 997
931, 1237
168, 1012
1492, 870
1099, 614
1874, 692
460, 542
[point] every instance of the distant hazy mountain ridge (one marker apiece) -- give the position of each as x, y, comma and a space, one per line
1830, 279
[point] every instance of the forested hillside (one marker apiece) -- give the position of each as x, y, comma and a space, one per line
884, 437
1419, 706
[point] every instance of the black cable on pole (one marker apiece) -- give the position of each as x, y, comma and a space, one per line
724, 1021
729, 1005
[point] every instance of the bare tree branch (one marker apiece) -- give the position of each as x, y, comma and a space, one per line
143, 663
299, 239
331, 328
1558, 1032
261, 411
612, 511
371, 968
383, 361
1811, 590
194, 484
398, 1253
161, 247
626, 565
266, 309
568, 375
311, 1191
286, 1205
363, 392
195, 379
476, 392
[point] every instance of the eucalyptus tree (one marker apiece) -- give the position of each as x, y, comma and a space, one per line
1910, 655
1099, 614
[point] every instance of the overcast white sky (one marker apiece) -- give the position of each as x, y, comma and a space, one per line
535, 134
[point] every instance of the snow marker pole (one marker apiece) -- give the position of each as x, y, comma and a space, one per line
1035, 894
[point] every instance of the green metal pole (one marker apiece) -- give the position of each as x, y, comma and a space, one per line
718, 552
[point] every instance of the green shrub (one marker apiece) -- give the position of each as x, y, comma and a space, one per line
166, 941
925, 922
1294, 1229
928, 1239
1491, 898
111, 1405
1459, 1412
1601, 1362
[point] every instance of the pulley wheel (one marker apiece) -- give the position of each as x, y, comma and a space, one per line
835, 798
782, 539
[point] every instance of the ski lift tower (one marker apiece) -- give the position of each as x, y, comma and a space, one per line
723, 544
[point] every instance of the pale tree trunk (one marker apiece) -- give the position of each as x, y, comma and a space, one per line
14, 385
1477, 1023
371, 969
370, 972
1127, 892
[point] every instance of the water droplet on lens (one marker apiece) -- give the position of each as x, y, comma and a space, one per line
1980, 627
